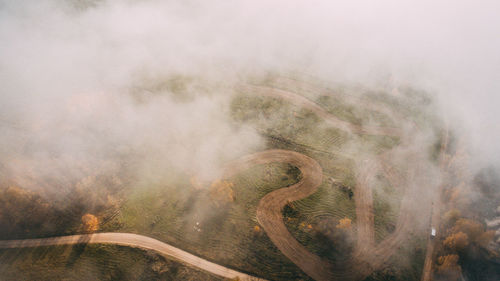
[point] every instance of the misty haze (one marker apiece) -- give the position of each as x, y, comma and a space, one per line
249, 140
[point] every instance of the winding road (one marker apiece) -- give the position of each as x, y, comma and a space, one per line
367, 256
270, 209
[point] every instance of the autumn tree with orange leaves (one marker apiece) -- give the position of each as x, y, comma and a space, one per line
90, 223
456, 241
22, 212
344, 223
474, 230
448, 267
221, 191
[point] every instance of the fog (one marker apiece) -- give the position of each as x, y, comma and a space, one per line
90, 87
67, 70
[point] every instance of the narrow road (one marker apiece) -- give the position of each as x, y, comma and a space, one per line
132, 240
270, 209
367, 257
436, 215
334, 121
363, 197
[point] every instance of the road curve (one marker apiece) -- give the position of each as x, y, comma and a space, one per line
363, 198
367, 256
270, 209
132, 240
301, 101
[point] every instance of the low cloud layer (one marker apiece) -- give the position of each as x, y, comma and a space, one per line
67, 67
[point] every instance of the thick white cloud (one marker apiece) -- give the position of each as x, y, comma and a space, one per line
51, 51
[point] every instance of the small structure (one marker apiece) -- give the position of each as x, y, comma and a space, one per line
331, 180
433, 232
495, 223
197, 226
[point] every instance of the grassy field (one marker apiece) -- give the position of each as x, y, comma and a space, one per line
172, 209
92, 262
337, 152
223, 232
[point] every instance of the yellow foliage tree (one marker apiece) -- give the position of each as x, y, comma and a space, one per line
90, 223
222, 191
449, 267
472, 228
485, 238
22, 211
344, 223
452, 216
456, 241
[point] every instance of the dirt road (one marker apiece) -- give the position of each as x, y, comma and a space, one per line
332, 120
132, 240
363, 198
270, 209
367, 257
436, 215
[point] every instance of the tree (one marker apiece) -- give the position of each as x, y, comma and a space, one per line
344, 223
257, 230
449, 268
451, 216
90, 223
456, 241
472, 228
23, 211
222, 191
485, 238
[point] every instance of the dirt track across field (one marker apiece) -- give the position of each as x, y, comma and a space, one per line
332, 120
132, 240
367, 257
363, 197
435, 215
270, 209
